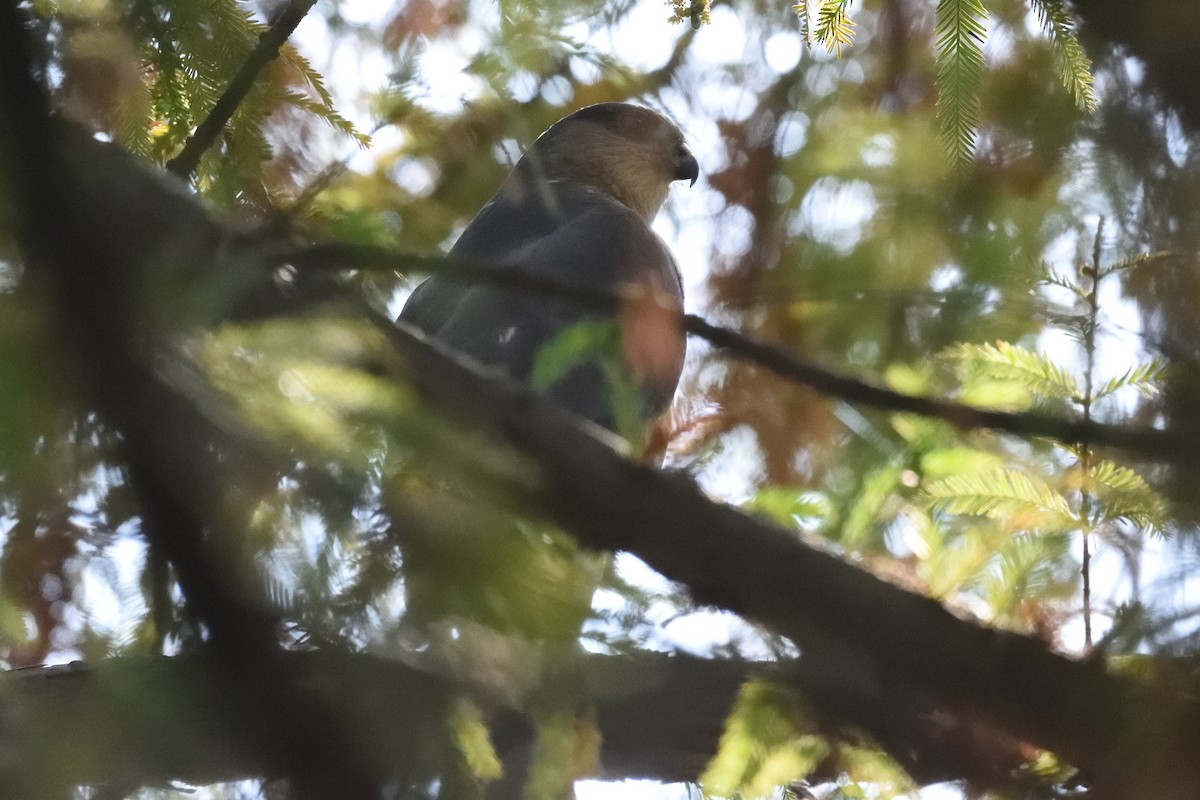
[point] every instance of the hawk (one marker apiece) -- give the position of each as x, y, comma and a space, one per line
577, 208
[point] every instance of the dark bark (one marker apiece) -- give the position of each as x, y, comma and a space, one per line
146, 721
1161, 33
94, 228
868, 630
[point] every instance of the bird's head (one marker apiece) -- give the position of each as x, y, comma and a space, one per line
629, 152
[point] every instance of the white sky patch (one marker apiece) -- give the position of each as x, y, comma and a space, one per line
362, 12
449, 85
633, 569
941, 791
792, 133
385, 140
735, 478
632, 790
735, 225
1060, 252
879, 150
999, 45
332, 56
782, 51
108, 590
698, 632
822, 79
585, 71
734, 101
835, 213
417, 176
946, 277
1177, 140
644, 38
524, 86
722, 42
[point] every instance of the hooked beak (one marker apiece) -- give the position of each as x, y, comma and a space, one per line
687, 168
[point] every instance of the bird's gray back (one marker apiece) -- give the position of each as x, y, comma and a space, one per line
568, 232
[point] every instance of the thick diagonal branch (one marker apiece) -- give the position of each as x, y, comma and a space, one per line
660, 717
831, 609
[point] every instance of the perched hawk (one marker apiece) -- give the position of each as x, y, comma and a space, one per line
577, 207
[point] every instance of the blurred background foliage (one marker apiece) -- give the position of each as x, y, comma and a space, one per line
1007, 267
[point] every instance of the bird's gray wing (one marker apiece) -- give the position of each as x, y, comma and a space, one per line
494, 238
573, 234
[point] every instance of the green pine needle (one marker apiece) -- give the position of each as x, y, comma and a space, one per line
1124, 496
961, 28
1006, 494
801, 10
1145, 378
1005, 361
834, 28
1075, 68
1138, 261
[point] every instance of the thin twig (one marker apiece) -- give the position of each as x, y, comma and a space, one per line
1149, 442
265, 51
1085, 447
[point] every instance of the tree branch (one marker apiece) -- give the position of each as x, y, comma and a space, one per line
90, 240
267, 50
1144, 442
149, 721
660, 716
830, 609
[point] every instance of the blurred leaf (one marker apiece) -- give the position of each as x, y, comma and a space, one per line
1026, 501
789, 507
950, 461
302, 380
578, 344
566, 747
862, 518
1009, 362
761, 746
1122, 494
1029, 565
473, 740
598, 343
